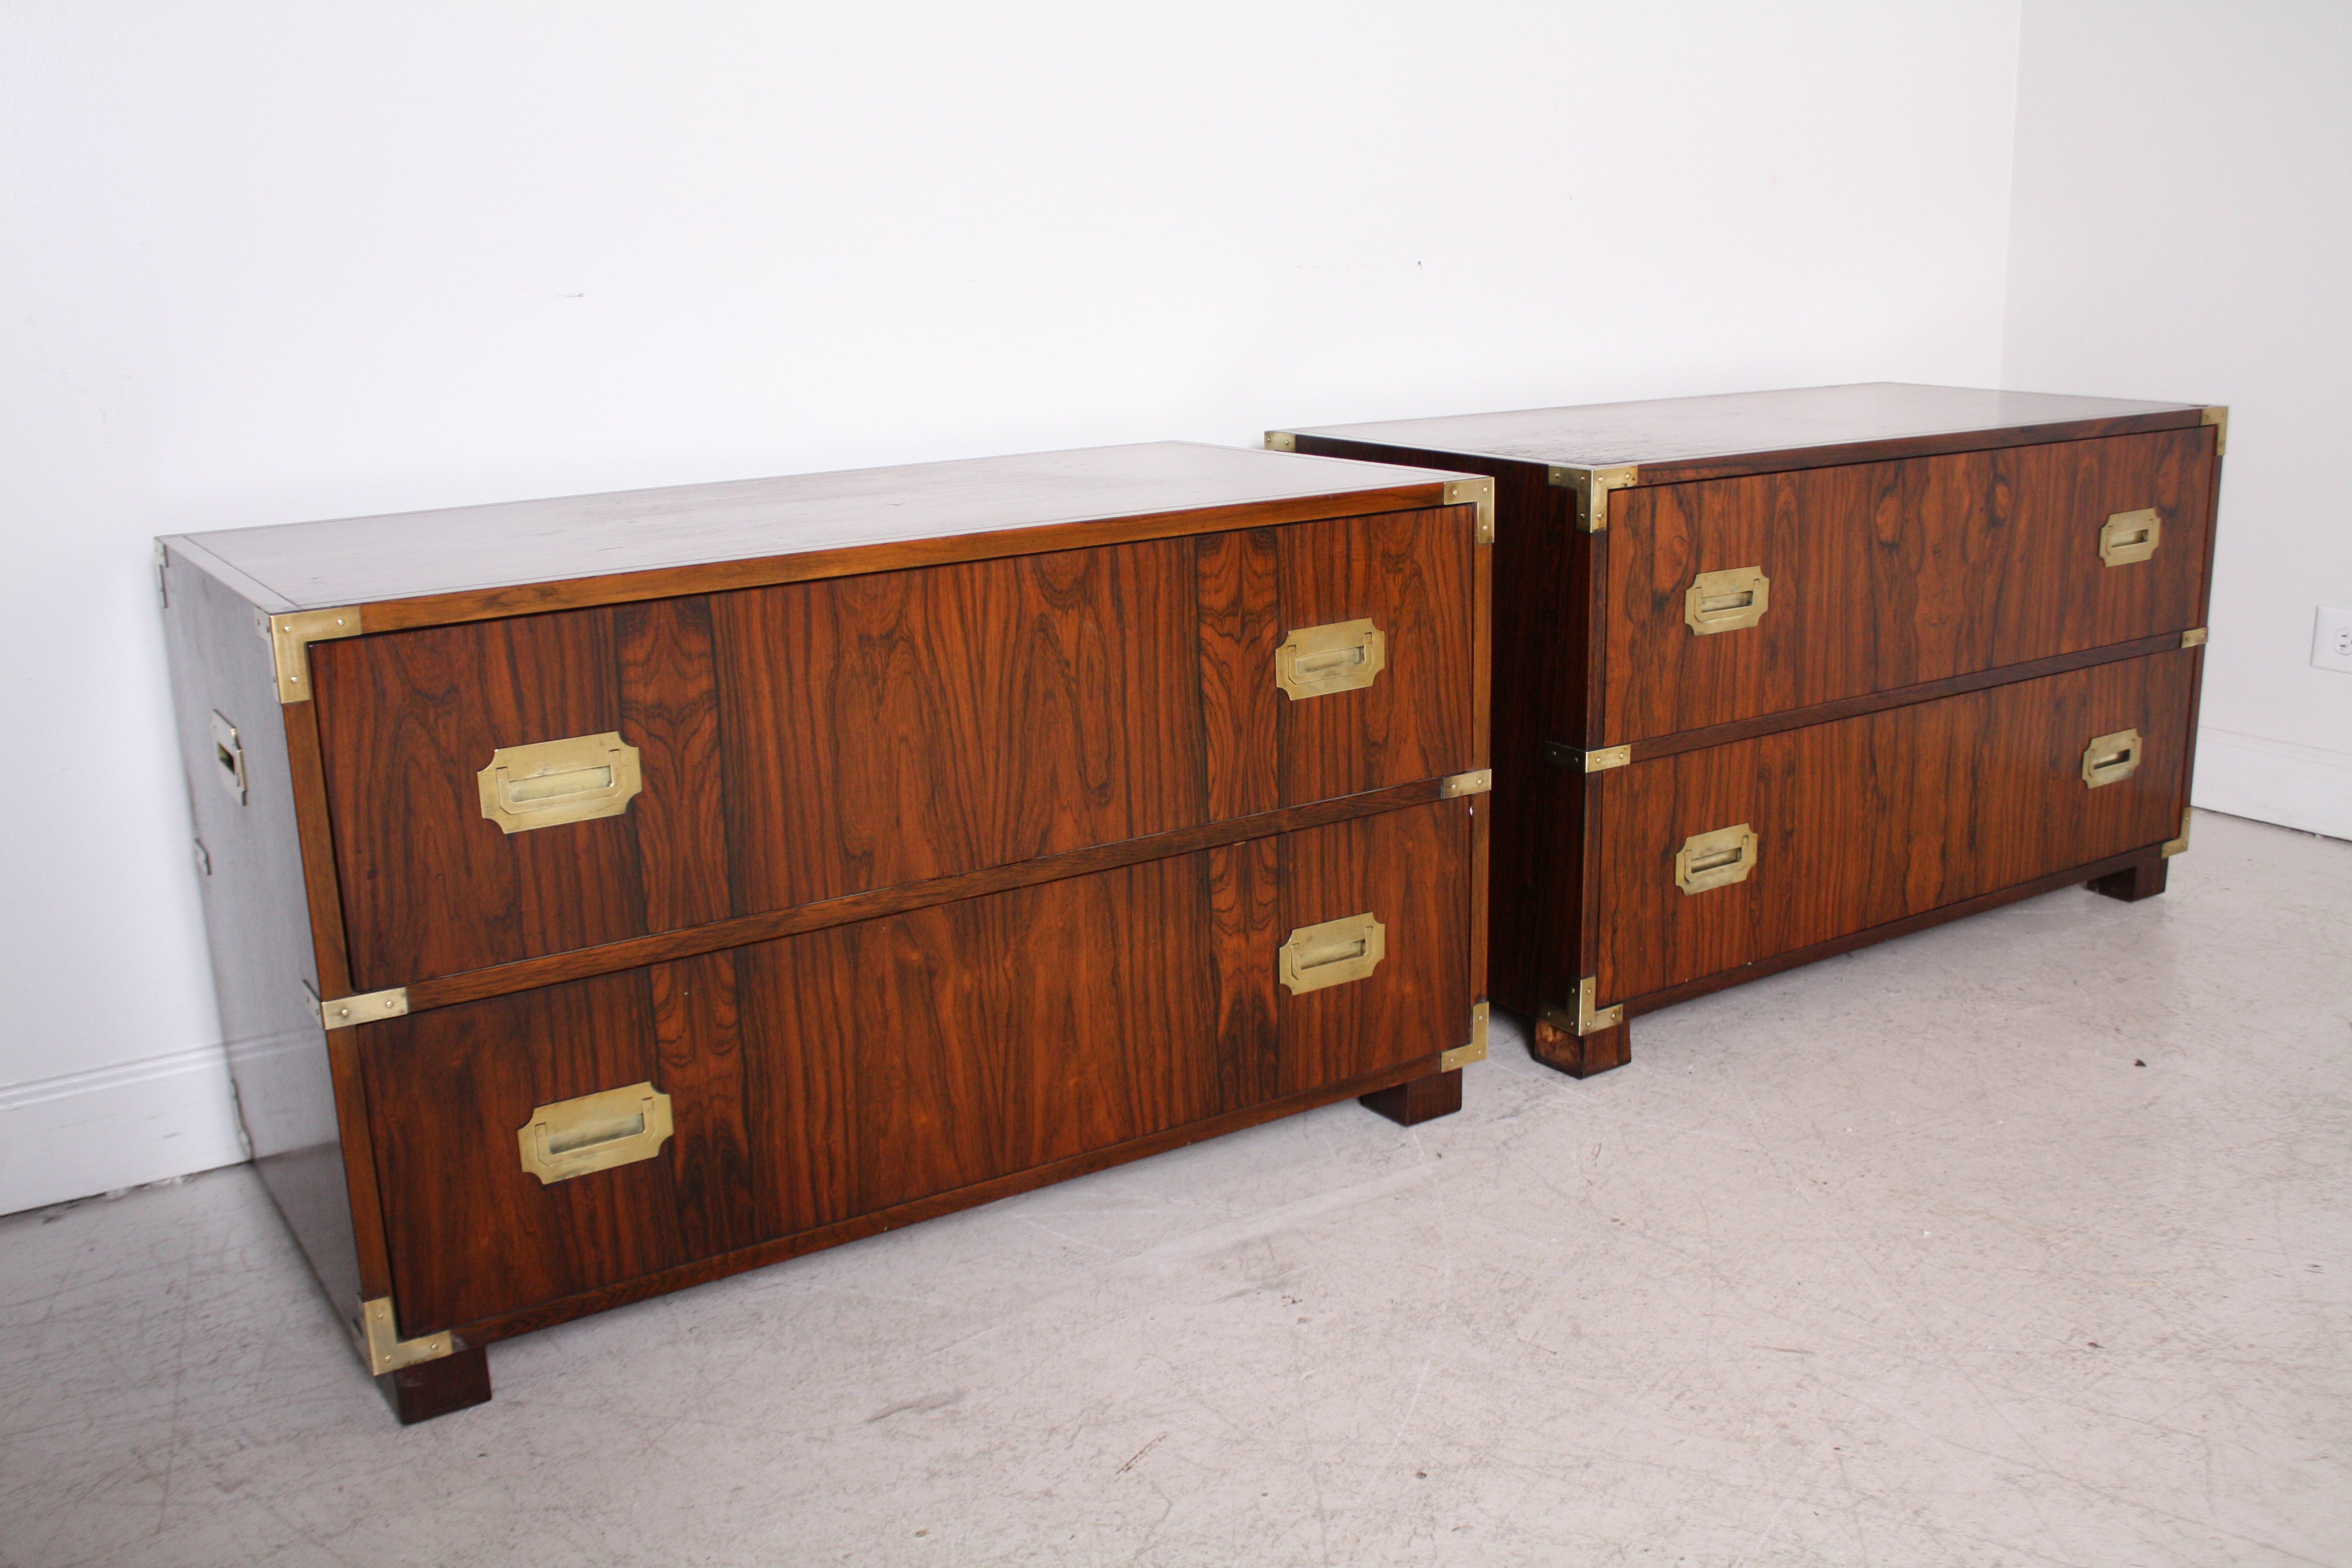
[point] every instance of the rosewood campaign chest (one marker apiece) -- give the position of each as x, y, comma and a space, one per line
1780, 674
613, 893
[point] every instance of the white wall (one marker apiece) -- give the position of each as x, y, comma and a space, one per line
269, 262
2183, 229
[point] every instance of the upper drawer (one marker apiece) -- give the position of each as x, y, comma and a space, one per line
812, 740
1880, 575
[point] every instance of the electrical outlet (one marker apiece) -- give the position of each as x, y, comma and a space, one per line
2331, 641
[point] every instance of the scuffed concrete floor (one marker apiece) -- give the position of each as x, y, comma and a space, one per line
1901, 1259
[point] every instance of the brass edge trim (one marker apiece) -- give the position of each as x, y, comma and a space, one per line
291, 637
1592, 487
1475, 1051
385, 1351
1478, 492
2172, 846
1281, 441
345, 1011
2218, 416
2193, 638
1575, 759
1477, 782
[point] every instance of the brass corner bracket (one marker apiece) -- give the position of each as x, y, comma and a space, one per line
1575, 759
385, 1351
1592, 488
1281, 441
2193, 638
1475, 1051
291, 637
1477, 782
344, 1011
1480, 493
2172, 846
2218, 416
1586, 1019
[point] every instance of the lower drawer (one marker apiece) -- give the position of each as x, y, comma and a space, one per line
860, 1069
1713, 859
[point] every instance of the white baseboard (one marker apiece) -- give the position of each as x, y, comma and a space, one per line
87, 1133
2293, 786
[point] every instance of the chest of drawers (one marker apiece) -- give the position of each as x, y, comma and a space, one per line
613, 893
1780, 674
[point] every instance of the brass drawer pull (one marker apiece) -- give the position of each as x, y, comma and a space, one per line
2130, 536
595, 1132
1314, 661
1331, 953
1727, 600
2111, 759
558, 781
1715, 859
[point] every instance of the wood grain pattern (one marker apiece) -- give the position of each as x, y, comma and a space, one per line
1870, 820
1677, 438
815, 740
871, 1067
474, 984
1775, 963
541, 1315
432, 568
1539, 584
1891, 575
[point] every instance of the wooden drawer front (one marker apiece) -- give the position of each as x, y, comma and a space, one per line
1888, 575
804, 741
1869, 820
844, 1071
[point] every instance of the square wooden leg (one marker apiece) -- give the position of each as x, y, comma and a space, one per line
2132, 884
432, 1388
1419, 1099
1582, 1056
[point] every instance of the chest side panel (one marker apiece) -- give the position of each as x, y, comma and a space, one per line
1865, 821
1883, 576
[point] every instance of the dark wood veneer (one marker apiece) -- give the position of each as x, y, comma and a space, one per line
432, 568
972, 820
1929, 549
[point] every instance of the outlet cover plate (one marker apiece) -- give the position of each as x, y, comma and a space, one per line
2331, 641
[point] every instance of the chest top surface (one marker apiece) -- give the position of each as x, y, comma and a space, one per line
1801, 426
1143, 490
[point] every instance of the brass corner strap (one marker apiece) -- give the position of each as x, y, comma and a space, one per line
1480, 493
1592, 488
1477, 782
1281, 441
2175, 846
344, 1011
291, 637
1475, 1051
1587, 1019
1575, 759
379, 1341
2218, 416
2193, 638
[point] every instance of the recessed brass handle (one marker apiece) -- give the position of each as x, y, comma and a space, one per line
1715, 859
229, 752
2129, 536
595, 1132
2111, 759
1331, 953
558, 781
1314, 661
1727, 600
